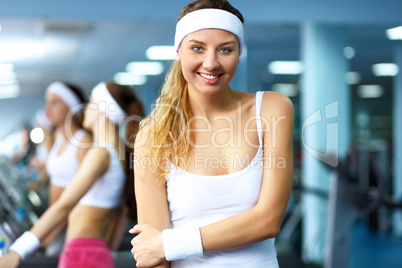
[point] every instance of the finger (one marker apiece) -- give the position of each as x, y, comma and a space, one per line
131, 230
137, 229
135, 242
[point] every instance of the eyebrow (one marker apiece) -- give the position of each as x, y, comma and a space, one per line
222, 44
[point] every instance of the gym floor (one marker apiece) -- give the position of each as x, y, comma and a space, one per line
373, 250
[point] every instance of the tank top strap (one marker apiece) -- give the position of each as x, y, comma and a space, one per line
258, 102
79, 134
113, 151
58, 140
77, 137
108, 146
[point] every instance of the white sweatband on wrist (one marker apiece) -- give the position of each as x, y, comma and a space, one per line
183, 242
25, 245
208, 18
107, 104
66, 94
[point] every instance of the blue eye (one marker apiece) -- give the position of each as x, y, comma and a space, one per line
197, 49
226, 50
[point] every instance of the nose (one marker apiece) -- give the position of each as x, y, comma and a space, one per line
211, 61
47, 107
47, 110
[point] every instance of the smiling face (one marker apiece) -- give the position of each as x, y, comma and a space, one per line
209, 59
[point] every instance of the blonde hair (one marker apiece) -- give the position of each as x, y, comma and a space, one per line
168, 124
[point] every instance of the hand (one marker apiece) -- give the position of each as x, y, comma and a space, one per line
11, 260
147, 246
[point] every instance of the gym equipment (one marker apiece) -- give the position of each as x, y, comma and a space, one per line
348, 201
16, 210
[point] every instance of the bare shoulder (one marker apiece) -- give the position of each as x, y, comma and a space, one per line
84, 145
147, 168
274, 103
98, 154
142, 140
97, 158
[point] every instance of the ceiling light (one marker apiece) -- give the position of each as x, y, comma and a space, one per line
144, 68
60, 48
289, 90
370, 91
161, 53
395, 33
9, 91
349, 52
8, 82
285, 67
129, 79
21, 50
8, 76
352, 78
37, 135
385, 69
6, 68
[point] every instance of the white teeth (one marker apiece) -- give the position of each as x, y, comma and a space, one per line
207, 76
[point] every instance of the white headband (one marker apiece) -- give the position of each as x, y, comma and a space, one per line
208, 19
107, 104
65, 93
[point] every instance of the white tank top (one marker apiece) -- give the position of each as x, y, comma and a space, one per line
199, 200
62, 168
107, 191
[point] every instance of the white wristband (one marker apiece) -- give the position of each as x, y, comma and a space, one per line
180, 243
25, 245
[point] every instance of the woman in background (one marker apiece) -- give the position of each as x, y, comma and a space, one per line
64, 106
127, 213
96, 192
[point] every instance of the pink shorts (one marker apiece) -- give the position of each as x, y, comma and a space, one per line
86, 253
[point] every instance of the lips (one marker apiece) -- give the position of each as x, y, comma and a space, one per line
210, 78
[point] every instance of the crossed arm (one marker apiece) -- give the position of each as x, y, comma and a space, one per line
261, 222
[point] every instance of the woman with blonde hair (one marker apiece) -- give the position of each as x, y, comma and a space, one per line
213, 197
96, 193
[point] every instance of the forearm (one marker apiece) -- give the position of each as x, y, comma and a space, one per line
96, 164
53, 234
10, 260
30, 241
241, 230
53, 217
